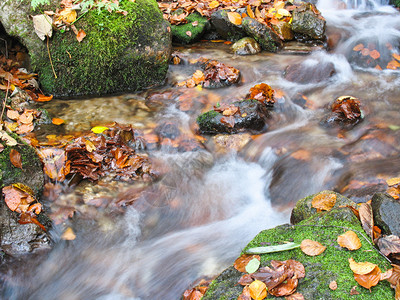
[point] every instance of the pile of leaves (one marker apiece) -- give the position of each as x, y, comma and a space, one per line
267, 12
214, 75
20, 198
263, 93
366, 55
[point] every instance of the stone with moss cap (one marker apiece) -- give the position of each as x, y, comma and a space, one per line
331, 265
196, 25
119, 53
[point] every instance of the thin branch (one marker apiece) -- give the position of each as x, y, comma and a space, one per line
51, 63
4, 102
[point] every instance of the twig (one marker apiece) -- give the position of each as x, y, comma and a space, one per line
4, 102
347, 228
51, 63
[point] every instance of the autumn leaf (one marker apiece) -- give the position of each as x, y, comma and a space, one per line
361, 268
228, 120
374, 54
324, 201
389, 244
13, 114
258, 290
188, 33
367, 219
358, 47
392, 275
12, 197
295, 296
312, 248
68, 15
349, 240
245, 295
242, 261
234, 18
15, 158
354, 291
396, 56
246, 279
250, 12
198, 76
213, 4
26, 117
365, 52
81, 35
42, 25
369, 280
286, 288
393, 181
68, 234
57, 121
43, 98
333, 285
99, 129
253, 265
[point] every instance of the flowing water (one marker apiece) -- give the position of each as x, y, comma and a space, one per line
194, 221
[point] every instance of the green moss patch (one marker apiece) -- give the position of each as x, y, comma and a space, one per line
191, 31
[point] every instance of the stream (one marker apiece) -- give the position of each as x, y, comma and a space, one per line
193, 222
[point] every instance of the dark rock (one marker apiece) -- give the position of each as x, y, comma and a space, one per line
264, 35
307, 23
303, 209
119, 54
217, 74
345, 113
246, 46
252, 116
284, 30
305, 73
197, 26
225, 28
386, 213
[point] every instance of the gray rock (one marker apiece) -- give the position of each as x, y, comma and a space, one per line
246, 46
225, 28
267, 39
119, 53
304, 73
307, 23
386, 213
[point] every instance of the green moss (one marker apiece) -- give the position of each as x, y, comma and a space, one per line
114, 56
331, 265
179, 32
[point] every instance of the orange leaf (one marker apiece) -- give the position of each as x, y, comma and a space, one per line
365, 52
258, 290
378, 67
213, 4
250, 12
43, 98
301, 155
12, 114
393, 65
396, 56
81, 35
393, 181
234, 18
15, 158
242, 261
26, 117
25, 128
349, 240
57, 121
198, 76
374, 54
324, 201
312, 248
333, 285
358, 47
369, 280
361, 268
12, 197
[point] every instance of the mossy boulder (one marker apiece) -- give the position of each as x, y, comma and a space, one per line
264, 35
119, 53
304, 210
307, 23
196, 25
331, 265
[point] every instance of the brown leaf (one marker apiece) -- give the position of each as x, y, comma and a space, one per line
12, 114
390, 182
367, 219
349, 240
347, 107
43, 98
397, 291
333, 285
55, 163
242, 261
25, 128
312, 248
389, 244
258, 290
81, 35
361, 268
394, 275
234, 18
369, 280
324, 201
26, 117
295, 296
246, 279
12, 197
245, 295
15, 158
228, 120
286, 288
353, 291
262, 92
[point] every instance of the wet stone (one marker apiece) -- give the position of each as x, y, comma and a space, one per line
284, 29
309, 73
267, 39
246, 46
386, 213
307, 23
225, 28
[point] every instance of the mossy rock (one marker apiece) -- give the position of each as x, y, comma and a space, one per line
31, 173
264, 35
119, 53
179, 32
331, 265
303, 209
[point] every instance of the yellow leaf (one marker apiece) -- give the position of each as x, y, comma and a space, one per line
68, 15
258, 290
90, 147
349, 240
361, 268
99, 129
68, 234
279, 5
324, 201
213, 4
312, 248
283, 12
390, 182
234, 18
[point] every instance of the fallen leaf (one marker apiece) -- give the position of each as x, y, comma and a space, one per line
24, 128
10, 141
358, 47
361, 268
188, 33
324, 201
43, 98
12, 197
26, 117
393, 181
228, 120
57, 121
312, 248
367, 219
198, 76
369, 280
43, 26
333, 285
68, 234
397, 291
68, 15
213, 4
99, 129
246, 279
242, 261
396, 56
354, 291
245, 295
301, 154
295, 296
394, 275
250, 12
389, 244
81, 35
15, 158
270, 249
286, 288
365, 52
253, 265
258, 290
12, 114
234, 18
349, 240
374, 54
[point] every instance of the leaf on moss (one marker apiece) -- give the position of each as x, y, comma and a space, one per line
369, 280
361, 268
253, 265
15, 158
258, 290
333, 285
312, 248
324, 201
242, 261
349, 240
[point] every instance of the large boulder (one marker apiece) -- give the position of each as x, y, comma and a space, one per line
264, 35
225, 28
386, 213
321, 270
119, 53
307, 23
197, 25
